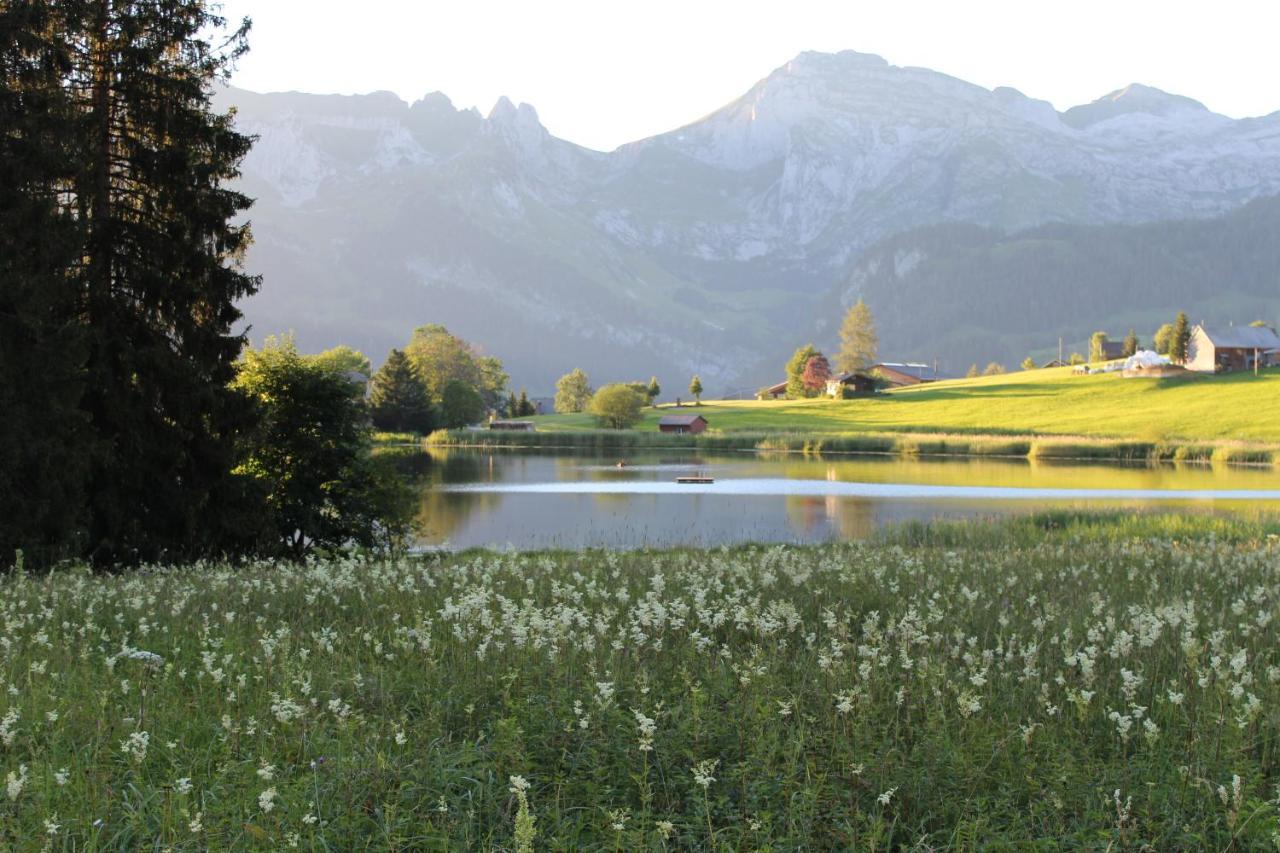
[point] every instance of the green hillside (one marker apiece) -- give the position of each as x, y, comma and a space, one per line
1039, 402
962, 293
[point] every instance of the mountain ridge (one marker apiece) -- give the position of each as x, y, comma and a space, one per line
697, 249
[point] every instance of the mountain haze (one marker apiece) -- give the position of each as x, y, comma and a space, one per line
713, 248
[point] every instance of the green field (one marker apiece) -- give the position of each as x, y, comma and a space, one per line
1057, 683
1236, 407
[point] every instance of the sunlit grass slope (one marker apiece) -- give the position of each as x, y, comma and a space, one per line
1039, 402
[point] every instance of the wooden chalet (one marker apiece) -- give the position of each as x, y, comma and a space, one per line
682, 424
857, 383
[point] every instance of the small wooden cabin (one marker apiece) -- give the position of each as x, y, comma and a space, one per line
682, 424
516, 426
857, 383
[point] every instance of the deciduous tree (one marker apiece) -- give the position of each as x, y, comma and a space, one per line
460, 405
617, 406
573, 392
695, 388
1097, 342
308, 454
653, 391
816, 373
795, 371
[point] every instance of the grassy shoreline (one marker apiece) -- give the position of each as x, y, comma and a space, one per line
1067, 680
1064, 448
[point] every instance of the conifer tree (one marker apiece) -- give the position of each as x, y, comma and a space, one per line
1130, 343
1179, 339
859, 340
524, 408
44, 440
398, 400
160, 273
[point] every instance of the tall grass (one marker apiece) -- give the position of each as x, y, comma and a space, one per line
904, 444
1060, 682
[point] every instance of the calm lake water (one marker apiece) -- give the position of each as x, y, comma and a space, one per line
527, 499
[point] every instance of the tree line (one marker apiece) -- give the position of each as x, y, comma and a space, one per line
137, 425
809, 370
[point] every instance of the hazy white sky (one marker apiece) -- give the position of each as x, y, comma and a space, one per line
602, 73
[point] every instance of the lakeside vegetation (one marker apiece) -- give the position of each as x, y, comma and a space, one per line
847, 696
1038, 414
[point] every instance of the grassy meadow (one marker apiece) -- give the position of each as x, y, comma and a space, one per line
1051, 402
1057, 682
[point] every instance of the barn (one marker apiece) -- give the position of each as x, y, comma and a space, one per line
1225, 348
900, 374
682, 424
856, 383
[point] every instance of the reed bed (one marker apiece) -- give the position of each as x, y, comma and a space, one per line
1082, 449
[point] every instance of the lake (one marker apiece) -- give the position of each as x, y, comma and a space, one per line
540, 499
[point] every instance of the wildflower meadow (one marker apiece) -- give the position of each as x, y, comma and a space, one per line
1075, 692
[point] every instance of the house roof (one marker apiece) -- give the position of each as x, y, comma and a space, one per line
774, 389
1242, 337
680, 420
909, 368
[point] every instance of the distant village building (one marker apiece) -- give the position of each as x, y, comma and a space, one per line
1112, 350
1225, 348
682, 424
517, 426
858, 383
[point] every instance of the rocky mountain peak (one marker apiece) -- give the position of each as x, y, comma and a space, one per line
1134, 99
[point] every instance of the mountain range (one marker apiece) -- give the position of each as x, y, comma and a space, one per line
719, 247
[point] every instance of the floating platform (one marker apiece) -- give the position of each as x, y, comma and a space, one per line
695, 480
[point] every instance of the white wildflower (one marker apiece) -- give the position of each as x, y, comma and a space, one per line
135, 746
703, 770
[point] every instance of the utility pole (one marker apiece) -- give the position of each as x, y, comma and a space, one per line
1060, 361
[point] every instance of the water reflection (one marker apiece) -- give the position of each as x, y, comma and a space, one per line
582, 499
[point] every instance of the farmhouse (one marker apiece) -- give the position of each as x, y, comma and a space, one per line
899, 374
682, 424
1223, 348
858, 383
773, 392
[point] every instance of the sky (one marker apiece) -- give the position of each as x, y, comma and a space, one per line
603, 73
